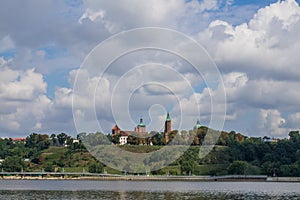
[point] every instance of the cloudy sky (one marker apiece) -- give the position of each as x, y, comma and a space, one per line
255, 45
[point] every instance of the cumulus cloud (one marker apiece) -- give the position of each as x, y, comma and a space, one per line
23, 100
257, 55
293, 121
26, 88
264, 47
273, 123
26, 107
136, 13
260, 66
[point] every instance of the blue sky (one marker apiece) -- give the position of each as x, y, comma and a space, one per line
44, 43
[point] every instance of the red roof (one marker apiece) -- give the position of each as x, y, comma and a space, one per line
116, 127
126, 133
18, 139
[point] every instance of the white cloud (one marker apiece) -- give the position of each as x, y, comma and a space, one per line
95, 16
260, 67
272, 123
264, 47
63, 97
131, 14
200, 6
23, 100
286, 13
91, 15
259, 60
293, 121
127, 14
25, 87
26, 107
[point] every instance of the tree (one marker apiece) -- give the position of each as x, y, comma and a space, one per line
13, 164
238, 167
223, 139
62, 137
53, 139
38, 141
95, 167
158, 139
294, 136
172, 135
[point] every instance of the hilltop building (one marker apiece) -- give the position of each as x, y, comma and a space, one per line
168, 127
140, 128
140, 131
123, 138
115, 130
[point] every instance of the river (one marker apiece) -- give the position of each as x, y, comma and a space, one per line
83, 189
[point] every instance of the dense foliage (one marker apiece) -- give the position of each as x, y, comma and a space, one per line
234, 153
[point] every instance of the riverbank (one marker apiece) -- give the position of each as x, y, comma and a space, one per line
229, 178
283, 179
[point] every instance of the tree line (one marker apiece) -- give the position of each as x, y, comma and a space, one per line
233, 153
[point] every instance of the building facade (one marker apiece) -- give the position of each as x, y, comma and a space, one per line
140, 129
115, 130
123, 139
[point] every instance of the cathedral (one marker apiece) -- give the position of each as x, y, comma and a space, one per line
141, 129
141, 132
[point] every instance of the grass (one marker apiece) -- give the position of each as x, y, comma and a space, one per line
140, 148
60, 158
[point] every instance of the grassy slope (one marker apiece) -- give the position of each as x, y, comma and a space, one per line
57, 157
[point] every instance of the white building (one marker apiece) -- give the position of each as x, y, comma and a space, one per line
123, 139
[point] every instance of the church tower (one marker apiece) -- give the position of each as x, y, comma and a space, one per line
141, 127
198, 125
168, 127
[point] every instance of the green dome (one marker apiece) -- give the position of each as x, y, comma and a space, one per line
168, 117
198, 125
141, 124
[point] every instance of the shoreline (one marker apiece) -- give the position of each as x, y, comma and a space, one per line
162, 178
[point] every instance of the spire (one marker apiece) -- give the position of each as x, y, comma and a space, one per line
141, 120
168, 117
198, 125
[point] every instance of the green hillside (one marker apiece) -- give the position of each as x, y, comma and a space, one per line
233, 154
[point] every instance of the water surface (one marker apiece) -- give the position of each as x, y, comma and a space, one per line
71, 189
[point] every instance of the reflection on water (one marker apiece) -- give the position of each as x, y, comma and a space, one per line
63, 189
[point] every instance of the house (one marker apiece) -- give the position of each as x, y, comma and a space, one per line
75, 141
123, 138
115, 130
18, 140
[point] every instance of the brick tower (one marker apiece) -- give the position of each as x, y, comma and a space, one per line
168, 127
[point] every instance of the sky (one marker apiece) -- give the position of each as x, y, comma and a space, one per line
45, 46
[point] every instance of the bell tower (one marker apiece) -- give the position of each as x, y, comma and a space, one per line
168, 127
141, 127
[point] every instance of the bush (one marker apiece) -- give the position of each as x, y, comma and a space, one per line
95, 168
238, 167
